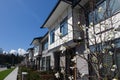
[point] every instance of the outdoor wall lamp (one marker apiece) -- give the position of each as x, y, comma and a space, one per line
117, 28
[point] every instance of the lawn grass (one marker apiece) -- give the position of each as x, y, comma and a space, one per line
4, 73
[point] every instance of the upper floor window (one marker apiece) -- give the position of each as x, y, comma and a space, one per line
45, 44
64, 27
52, 36
104, 10
36, 49
115, 6
30, 54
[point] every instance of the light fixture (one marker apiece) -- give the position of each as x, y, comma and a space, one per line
117, 28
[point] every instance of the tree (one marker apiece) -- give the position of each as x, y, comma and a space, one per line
101, 36
10, 59
101, 39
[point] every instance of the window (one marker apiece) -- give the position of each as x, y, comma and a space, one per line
36, 49
109, 8
48, 63
115, 6
64, 27
43, 63
96, 16
52, 36
45, 44
107, 62
118, 61
117, 43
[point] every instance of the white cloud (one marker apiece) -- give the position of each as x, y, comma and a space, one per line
4, 52
21, 51
13, 51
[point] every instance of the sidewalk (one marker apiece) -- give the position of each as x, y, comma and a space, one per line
2, 69
12, 75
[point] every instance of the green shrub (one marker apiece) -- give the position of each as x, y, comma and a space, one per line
35, 75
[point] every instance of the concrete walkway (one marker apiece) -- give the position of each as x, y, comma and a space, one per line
12, 75
2, 69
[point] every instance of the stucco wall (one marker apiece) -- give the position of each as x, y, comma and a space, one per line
104, 27
56, 26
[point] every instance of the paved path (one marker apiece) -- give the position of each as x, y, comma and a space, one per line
12, 75
2, 69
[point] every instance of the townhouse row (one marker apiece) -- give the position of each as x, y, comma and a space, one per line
69, 35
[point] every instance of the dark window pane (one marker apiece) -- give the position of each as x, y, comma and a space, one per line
52, 36
43, 63
45, 44
64, 27
48, 63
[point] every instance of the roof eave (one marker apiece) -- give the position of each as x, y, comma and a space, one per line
43, 26
35, 39
30, 49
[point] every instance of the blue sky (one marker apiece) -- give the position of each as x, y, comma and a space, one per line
20, 22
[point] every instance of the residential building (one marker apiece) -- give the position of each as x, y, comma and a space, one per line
30, 57
73, 27
25, 62
46, 58
66, 24
105, 34
63, 38
37, 51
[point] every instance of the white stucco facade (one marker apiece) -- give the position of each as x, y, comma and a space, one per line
107, 27
58, 41
67, 40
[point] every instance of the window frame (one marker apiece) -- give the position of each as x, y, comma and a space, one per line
106, 13
43, 63
36, 48
45, 45
48, 61
64, 26
52, 36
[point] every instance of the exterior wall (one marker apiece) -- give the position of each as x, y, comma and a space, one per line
45, 54
36, 52
82, 64
30, 54
78, 21
105, 32
104, 27
36, 55
56, 26
78, 15
40, 49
